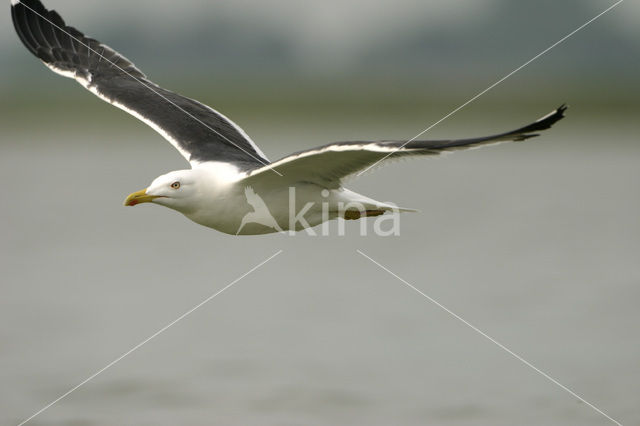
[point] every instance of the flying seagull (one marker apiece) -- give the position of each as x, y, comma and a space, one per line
301, 190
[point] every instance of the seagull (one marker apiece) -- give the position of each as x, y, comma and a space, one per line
299, 191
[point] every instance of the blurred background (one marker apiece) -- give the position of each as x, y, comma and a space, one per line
537, 244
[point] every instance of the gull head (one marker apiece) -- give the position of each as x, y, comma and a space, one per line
176, 190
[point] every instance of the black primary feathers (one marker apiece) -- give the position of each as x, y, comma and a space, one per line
199, 132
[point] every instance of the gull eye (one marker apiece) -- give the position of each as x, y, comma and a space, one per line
175, 185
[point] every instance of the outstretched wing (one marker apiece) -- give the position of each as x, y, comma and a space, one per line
327, 165
199, 132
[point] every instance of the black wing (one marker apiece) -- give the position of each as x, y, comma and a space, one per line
200, 133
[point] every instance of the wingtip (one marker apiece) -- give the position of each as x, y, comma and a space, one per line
562, 108
558, 112
551, 118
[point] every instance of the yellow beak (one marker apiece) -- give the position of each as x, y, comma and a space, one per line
139, 198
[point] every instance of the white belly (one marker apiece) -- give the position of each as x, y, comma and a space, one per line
248, 211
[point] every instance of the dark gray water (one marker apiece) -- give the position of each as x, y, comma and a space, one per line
536, 244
